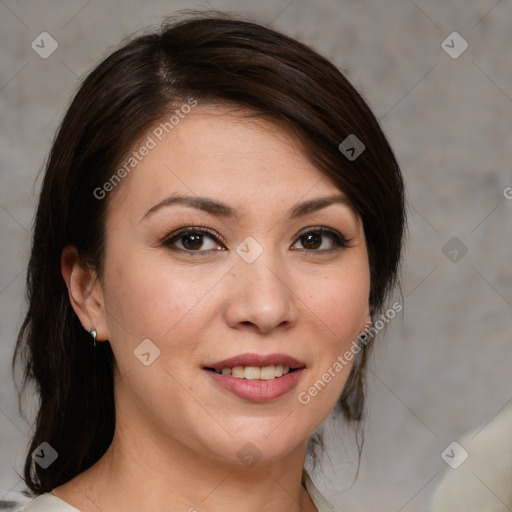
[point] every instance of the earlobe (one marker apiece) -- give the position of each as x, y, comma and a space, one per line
84, 291
368, 322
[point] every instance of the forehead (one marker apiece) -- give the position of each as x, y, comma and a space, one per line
224, 152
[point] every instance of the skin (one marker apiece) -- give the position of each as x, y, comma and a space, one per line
177, 433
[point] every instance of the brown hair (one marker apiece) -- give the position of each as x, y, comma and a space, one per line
213, 59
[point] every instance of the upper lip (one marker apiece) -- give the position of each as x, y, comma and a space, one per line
259, 360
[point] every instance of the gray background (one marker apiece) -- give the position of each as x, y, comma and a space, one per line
443, 366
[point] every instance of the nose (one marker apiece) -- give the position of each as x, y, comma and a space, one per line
260, 296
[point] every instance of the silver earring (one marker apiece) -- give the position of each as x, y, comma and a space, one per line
93, 333
362, 339
366, 331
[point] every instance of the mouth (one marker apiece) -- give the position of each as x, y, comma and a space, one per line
255, 372
256, 366
255, 377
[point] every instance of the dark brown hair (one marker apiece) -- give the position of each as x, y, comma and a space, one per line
213, 59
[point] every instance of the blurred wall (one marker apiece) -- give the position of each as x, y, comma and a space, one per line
443, 367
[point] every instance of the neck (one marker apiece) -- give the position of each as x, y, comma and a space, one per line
155, 472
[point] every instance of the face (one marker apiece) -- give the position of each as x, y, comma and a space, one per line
237, 269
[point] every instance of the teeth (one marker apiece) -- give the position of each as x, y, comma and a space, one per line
255, 372
252, 372
238, 371
268, 373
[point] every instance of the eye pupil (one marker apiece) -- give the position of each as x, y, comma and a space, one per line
192, 241
312, 240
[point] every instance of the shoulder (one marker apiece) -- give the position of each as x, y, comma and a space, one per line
486, 470
316, 496
47, 503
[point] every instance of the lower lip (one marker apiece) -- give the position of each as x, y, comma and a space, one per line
257, 390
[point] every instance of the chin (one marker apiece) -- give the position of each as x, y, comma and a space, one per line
251, 449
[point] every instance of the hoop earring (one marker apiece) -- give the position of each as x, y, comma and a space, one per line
93, 333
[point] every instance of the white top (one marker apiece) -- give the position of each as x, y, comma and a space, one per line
49, 503
482, 470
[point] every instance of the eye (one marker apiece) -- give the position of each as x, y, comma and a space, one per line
199, 240
321, 240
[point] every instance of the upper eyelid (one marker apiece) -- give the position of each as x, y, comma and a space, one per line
194, 229
205, 230
323, 229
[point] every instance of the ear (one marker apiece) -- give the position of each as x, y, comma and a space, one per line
85, 293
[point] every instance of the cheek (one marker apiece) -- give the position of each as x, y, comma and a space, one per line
339, 299
136, 300
141, 298
338, 307
147, 297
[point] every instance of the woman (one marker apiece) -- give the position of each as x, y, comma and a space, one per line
220, 220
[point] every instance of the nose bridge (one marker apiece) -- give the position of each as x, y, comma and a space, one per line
261, 294
262, 270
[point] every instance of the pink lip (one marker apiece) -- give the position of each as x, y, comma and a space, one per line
257, 390
259, 360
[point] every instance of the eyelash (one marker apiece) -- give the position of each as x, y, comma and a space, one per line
339, 240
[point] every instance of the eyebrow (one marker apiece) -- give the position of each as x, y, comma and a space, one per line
218, 209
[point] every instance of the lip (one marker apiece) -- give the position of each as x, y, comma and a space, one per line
257, 390
251, 359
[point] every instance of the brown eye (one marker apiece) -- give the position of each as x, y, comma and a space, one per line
311, 241
190, 240
322, 240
